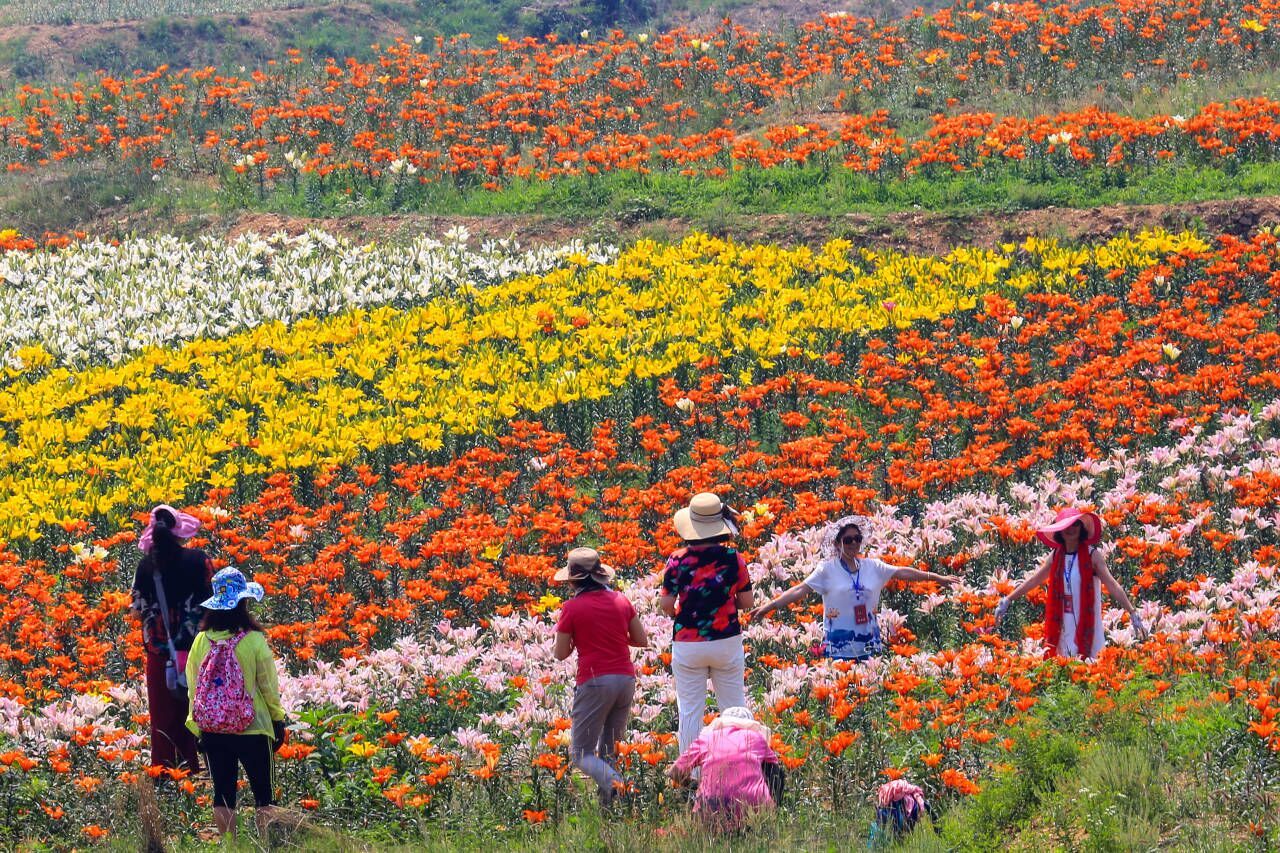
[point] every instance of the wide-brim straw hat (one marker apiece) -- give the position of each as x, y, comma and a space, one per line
705, 516
583, 563
1066, 518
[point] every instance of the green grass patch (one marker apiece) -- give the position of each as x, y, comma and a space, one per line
645, 202
712, 203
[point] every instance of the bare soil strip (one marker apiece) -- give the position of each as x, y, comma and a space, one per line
916, 231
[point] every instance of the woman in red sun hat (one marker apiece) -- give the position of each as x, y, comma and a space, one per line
1076, 573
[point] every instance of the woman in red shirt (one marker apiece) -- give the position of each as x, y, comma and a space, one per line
603, 626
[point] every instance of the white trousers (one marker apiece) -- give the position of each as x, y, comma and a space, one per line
692, 663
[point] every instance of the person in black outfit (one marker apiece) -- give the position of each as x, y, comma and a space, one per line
179, 577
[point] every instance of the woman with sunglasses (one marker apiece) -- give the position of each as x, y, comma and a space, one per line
850, 587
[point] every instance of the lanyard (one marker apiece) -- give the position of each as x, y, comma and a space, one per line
857, 576
1068, 566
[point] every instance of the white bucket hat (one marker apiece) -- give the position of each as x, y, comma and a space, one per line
830, 548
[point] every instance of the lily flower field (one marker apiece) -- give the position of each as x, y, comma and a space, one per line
400, 440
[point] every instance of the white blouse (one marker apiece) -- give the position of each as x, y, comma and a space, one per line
1067, 640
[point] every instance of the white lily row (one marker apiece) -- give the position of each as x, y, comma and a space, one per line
97, 301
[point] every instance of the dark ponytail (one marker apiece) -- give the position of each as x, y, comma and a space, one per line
166, 550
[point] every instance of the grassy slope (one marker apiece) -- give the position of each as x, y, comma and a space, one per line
92, 194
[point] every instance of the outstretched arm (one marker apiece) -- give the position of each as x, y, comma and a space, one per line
1033, 580
913, 575
693, 757
1029, 583
1101, 571
791, 596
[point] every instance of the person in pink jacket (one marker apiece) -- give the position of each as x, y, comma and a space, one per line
731, 750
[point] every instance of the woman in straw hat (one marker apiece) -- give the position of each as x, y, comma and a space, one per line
1076, 573
603, 626
704, 587
850, 587
168, 587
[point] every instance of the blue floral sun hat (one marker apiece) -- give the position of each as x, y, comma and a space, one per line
229, 587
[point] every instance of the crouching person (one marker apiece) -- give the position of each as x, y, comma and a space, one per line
732, 751
602, 625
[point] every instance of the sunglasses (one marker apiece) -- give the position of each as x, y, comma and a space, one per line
852, 539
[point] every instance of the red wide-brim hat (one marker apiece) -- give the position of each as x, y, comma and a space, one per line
1066, 518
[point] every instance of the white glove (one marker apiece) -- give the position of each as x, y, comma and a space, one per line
1001, 609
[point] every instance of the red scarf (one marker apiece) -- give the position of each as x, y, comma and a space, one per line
1083, 605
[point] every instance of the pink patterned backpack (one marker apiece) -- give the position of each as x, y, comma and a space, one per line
223, 705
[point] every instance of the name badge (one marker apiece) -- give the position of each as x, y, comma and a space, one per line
1068, 604
860, 614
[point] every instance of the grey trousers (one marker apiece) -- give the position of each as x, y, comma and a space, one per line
601, 708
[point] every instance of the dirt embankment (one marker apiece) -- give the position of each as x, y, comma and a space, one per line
917, 231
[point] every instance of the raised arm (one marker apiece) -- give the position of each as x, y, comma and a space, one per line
797, 593
1029, 583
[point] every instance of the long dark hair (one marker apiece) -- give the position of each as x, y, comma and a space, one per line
233, 621
166, 550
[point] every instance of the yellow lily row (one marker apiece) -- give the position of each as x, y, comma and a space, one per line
104, 441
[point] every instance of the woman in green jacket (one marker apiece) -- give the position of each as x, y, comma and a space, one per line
228, 625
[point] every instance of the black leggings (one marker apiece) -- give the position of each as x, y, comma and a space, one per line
224, 753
